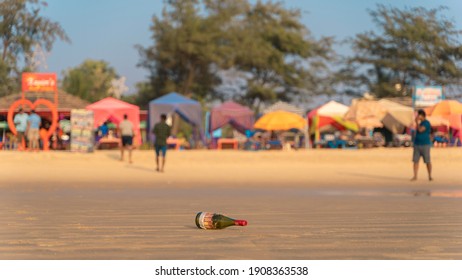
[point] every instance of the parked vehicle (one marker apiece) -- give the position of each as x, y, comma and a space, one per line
402, 140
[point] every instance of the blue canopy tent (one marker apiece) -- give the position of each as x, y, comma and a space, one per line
189, 110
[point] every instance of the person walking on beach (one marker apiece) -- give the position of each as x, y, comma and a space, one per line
20, 121
162, 131
422, 144
33, 126
127, 133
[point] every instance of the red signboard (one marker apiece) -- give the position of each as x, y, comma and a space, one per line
39, 82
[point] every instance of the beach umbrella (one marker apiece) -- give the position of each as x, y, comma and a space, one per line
280, 120
445, 108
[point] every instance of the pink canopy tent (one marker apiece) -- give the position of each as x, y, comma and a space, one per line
240, 117
114, 110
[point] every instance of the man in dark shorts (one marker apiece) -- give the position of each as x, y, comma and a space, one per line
126, 131
422, 144
162, 131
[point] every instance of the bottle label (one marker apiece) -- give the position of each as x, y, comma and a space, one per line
205, 220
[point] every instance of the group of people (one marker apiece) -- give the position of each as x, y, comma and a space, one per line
422, 142
27, 128
28, 135
28, 125
161, 130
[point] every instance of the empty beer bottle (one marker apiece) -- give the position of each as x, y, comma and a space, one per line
206, 220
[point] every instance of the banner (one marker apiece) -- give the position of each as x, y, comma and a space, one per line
232, 269
39, 82
82, 137
427, 96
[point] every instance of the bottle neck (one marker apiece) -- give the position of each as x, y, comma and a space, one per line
241, 223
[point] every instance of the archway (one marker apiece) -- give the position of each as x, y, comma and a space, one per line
37, 82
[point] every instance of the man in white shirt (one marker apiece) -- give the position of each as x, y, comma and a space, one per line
126, 131
20, 122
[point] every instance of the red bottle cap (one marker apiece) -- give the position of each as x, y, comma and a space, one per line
241, 223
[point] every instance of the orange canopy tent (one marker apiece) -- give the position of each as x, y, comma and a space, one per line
450, 110
445, 108
114, 110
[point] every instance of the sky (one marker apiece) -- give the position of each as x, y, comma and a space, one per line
109, 29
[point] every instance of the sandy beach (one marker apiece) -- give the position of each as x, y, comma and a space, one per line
317, 204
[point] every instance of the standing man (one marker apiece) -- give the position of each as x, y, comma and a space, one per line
422, 144
127, 133
104, 129
33, 126
162, 132
20, 121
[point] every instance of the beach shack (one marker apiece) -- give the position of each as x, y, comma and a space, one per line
66, 103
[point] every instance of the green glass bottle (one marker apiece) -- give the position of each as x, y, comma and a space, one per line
207, 220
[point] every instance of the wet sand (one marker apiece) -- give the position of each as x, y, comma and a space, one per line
319, 204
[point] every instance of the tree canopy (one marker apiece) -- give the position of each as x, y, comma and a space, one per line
195, 40
183, 52
282, 58
22, 28
92, 80
413, 46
